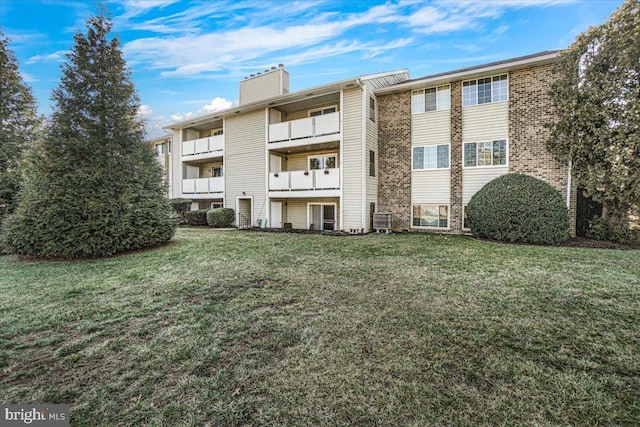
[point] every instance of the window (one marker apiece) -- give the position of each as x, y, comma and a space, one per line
489, 153
322, 111
372, 163
372, 109
160, 149
431, 157
323, 161
216, 171
436, 216
217, 132
484, 91
431, 99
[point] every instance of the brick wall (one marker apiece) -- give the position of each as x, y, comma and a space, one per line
394, 160
530, 111
456, 157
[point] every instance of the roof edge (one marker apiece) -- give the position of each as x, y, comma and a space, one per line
539, 58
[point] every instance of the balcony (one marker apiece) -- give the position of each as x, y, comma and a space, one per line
313, 183
203, 186
311, 130
203, 148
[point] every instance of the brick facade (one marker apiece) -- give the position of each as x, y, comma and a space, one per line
394, 161
455, 216
530, 112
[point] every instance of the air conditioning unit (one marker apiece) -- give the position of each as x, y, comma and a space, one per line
382, 221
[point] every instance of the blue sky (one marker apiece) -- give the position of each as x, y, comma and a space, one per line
187, 57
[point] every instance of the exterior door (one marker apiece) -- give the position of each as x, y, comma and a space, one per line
276, 214
322, 217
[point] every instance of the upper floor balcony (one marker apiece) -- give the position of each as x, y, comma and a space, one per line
317, 129
203, 148
305, 183
203, 186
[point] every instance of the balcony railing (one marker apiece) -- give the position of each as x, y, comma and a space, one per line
203, 185
305, 128
203, 145
321, 179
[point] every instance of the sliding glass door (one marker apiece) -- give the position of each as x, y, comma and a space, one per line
322, 216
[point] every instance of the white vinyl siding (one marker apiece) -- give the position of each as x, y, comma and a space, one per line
263, 86
486, 123
431, 187
352, 159
473, 179
245, 161
432, 128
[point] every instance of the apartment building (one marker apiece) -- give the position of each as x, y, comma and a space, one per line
161, 146
443, 137
328, 157
304, 160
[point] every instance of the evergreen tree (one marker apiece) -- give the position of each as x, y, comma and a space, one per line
597, 96
18, 125
93, 186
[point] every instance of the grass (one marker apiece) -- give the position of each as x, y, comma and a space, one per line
238, 328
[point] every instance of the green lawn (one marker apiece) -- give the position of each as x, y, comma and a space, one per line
243, 328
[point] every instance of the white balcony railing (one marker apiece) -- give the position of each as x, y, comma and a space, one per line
209, 144
203, 185
322, 179
305, 128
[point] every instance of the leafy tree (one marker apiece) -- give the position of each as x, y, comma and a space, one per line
597, 96
93, 187
18, 125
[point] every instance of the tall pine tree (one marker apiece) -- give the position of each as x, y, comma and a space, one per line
93, 187
19, 125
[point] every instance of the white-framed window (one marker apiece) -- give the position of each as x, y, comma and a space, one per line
430, 157
486, 90
217, 132
486, 153
215, 205
160, 149
322, 161
431, 99
324, 110
217, 171
431, 216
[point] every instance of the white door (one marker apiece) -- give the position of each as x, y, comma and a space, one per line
275, 163
276, 214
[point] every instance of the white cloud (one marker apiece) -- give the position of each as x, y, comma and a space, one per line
52, 57
178, 117
28, 78
216, 104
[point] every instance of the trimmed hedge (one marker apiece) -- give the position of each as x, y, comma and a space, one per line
221, 217
607, 230
518, 208
198, 217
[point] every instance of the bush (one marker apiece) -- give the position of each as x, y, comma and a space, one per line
198, 217
518, 208
180, 207
220, 217
606, 230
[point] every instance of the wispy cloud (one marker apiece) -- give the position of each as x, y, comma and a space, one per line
58, 56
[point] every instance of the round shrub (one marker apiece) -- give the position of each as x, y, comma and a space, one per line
518, 208
198, 217
220, 217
